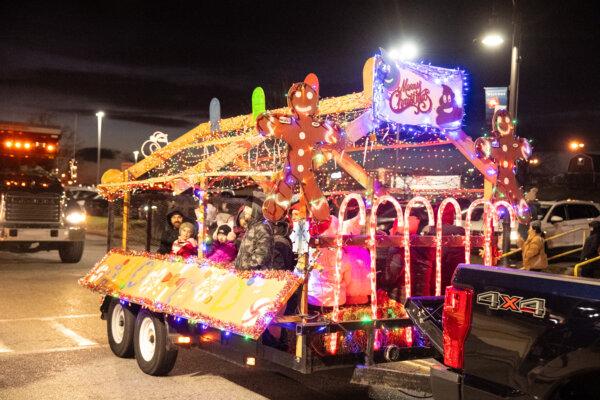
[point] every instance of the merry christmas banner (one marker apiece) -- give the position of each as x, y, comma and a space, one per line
242, 302
417, 94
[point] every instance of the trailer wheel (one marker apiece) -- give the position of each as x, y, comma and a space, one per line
71, 252
151, 345
120, 324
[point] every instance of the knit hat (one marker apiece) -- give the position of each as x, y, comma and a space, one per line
224, 229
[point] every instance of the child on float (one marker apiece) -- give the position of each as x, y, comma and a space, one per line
185, 245
223, 249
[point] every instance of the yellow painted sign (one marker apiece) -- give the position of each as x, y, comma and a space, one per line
243, 302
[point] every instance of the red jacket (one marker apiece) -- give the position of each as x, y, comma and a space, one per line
185, 248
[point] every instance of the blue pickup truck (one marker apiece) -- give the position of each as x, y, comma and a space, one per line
508, 334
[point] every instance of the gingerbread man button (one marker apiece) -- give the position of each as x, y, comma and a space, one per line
504, 149
304, 135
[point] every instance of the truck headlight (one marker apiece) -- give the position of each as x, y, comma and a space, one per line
75, 217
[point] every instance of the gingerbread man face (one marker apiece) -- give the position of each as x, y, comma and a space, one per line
303, 99
502, 124
505, 149
304, 135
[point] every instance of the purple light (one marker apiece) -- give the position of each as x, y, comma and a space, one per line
491, 171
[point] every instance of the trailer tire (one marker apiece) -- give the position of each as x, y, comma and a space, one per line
120, 324
71, 252
152, 351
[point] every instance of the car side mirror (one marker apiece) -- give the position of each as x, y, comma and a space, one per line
556, 218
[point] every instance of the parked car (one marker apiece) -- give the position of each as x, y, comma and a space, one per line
556, 217
566, 215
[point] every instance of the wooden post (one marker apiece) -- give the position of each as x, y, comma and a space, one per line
126, 200
200, 213
111, 225
303, 262
149, 226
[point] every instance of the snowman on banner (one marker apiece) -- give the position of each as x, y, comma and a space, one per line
504, 149
304, 135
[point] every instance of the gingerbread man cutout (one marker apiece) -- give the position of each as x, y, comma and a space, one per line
504, 149
304, 135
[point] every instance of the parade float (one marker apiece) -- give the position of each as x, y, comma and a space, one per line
386, 146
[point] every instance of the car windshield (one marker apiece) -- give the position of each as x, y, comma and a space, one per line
542, 211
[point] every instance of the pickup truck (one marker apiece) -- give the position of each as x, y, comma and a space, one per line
503, 333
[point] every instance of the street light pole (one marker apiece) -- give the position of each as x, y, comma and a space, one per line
515, 62
99, 115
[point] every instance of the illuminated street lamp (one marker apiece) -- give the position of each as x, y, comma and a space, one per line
408, 51
575, 145
494, 39
99, 115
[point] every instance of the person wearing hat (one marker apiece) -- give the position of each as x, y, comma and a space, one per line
171, 232
223, 249
255, 250
534, 252
590, 249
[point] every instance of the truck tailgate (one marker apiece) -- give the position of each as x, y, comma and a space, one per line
426, 313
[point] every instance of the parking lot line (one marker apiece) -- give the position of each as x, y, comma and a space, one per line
80, 340
73, 316
52, 350
4, 349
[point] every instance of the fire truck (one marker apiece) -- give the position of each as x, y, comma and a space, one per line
35, 212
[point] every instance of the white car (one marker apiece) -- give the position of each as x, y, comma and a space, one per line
566, 215
556, 217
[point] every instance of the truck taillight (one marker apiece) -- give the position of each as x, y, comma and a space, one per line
456, 321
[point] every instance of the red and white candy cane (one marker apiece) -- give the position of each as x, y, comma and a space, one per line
373, 244
339, 243
487, 213
412, 202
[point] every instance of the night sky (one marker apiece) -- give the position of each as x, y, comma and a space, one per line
157, 67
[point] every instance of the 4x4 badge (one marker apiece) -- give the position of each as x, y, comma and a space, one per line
505, 302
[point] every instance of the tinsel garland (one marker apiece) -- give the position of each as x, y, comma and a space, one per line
292, 281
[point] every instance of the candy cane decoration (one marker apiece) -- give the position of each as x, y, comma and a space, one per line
332, 341
339, 243
487, 206
373, 245
409, 206
438, 239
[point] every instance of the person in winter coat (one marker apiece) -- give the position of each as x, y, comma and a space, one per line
185, 245
283, 255
590, 250
171, 232
256, 247
223, 248
534, 254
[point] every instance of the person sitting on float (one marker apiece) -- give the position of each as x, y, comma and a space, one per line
355, 269
185, 245
256, 247
223, 249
